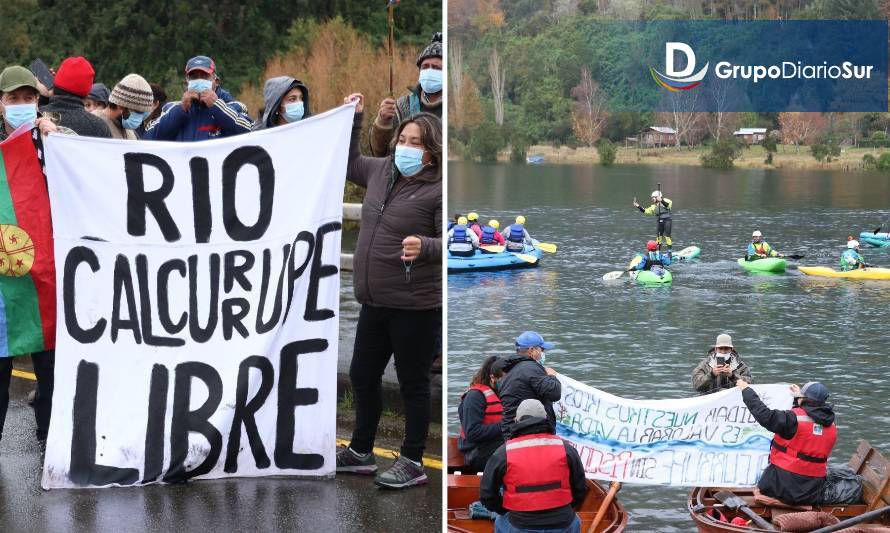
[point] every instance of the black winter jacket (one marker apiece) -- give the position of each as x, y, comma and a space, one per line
75, 116
496, 469
526, 379
481, 440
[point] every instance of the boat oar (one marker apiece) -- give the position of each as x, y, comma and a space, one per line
614, 487
493, 248
615, 274
843, 524
731, 501
794, 256
528, 258
545, 246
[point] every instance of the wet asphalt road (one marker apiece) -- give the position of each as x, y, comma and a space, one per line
346, 503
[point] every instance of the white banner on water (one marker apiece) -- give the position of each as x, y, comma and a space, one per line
710, 440
198, 305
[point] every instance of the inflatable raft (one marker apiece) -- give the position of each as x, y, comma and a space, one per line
883, 236
767, 264
862, 273
878, 243
686, 254
487, 261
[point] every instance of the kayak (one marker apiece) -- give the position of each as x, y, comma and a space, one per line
882, 236
686, 254
862, 273
767, 264
486, 261
650, 277
879, 243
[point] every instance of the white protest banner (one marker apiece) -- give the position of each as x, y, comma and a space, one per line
198, 305
710, 440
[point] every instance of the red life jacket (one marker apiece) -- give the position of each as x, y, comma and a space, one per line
537, 475
760, 248
494, 411
807, 452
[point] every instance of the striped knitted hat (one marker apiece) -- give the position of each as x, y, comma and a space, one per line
134, 93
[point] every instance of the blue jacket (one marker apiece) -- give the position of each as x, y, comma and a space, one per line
227, 117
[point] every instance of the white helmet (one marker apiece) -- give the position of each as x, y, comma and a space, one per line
757, 234
656, 194
852, 244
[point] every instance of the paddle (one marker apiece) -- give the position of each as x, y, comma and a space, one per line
526, 257
545, 246
615, 274
731, 501
493, 248
614, 487
843, 524
794, 256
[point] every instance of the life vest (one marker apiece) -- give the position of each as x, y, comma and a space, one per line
654, 259
761, 249
517, 233
487, 235
662, 212
494, 410
460, 234
537, 475
807, 452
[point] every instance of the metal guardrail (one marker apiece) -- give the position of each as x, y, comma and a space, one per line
350, 212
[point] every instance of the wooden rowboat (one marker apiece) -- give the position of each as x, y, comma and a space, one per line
866, 461
463, 489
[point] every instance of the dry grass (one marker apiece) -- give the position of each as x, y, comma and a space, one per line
753, 157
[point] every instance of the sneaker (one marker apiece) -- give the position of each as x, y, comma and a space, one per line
349, 461
403, 473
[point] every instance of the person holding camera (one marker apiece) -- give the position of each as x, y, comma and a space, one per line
721, 368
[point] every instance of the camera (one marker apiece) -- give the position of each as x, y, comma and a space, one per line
721, 360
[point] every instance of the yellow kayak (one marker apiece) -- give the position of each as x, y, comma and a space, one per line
862, 273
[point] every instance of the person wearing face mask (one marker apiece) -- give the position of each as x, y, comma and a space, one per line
721, 369
206, 111
397, 275
72, 84
526, 377
286, 100
425, 97
159, 98
480, 412
128, 106
803, 439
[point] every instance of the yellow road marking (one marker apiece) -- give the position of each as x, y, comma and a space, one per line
23, 374
384, 452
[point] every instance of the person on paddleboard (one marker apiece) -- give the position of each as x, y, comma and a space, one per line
652, 258
480, 412
661, 210
516, 236
462, 241
489, 235
851, 259
721, 368
804, 438
536, 479
759, 248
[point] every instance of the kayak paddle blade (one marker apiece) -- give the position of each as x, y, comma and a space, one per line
795, 256
528, 258
547, 247
615, 274
493, 248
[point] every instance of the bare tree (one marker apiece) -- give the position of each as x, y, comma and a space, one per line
455, 90
720, 120
589, 109
498, 74
681, 115
800, 128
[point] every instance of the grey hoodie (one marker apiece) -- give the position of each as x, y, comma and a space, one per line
273, 92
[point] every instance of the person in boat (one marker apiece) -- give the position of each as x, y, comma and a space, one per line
661, 210
535, 479
480, 412
526, 377
851, 259
489, 235
759, 248
652, 258
453, 222
516, 236
461, 241
473, 223
721, 368
804, 438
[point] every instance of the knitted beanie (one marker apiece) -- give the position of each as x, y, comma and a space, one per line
434, 49
75, 75
134, 93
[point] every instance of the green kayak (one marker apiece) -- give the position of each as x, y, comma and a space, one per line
767, 264
648, 277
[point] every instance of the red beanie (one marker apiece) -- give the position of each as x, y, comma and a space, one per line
75, 75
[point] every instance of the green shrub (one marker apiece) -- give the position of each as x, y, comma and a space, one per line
607, 152
722, 154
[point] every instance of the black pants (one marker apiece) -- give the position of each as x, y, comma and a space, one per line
44, 367
411, 337
664, 232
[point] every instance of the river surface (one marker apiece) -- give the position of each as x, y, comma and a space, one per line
643, 343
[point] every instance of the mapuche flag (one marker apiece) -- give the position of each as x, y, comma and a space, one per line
27, 267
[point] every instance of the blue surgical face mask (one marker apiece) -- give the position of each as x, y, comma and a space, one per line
19, 114
409, 160
200, 85
134, 120
293, 111
543, 358
431, 80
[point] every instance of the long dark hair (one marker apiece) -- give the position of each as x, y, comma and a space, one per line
483, 375
430, 135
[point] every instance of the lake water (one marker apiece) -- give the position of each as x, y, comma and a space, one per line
643, 343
